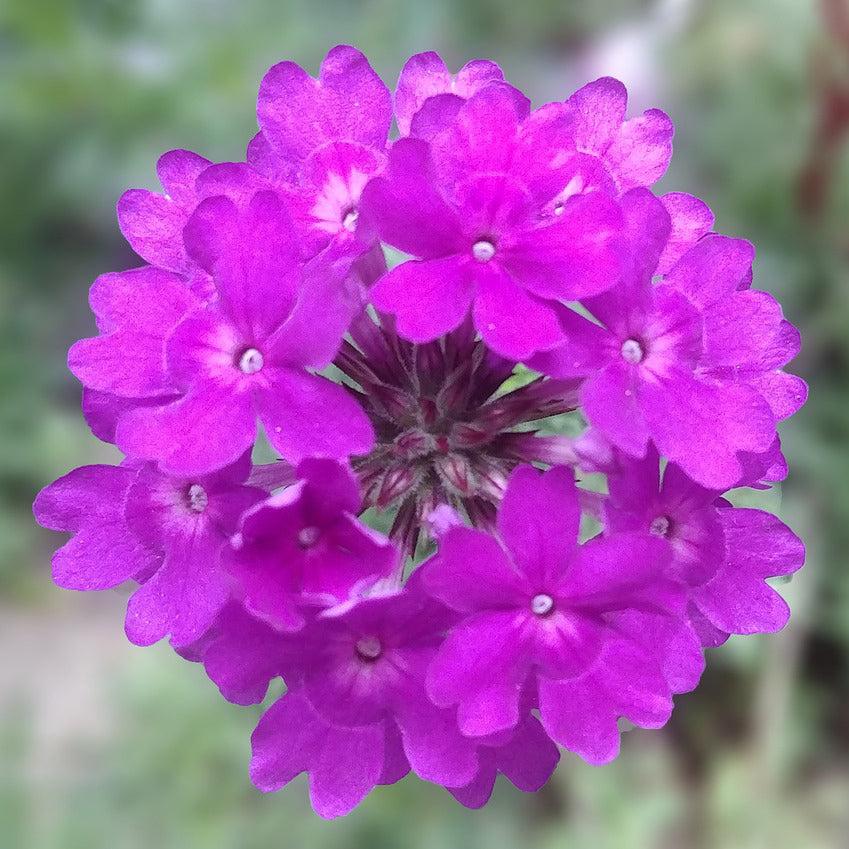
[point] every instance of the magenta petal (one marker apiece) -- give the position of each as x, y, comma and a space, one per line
576, 256
183, 597
621, 571
471, 572
740, 329
348, 765
153, 225
82, 496
425, 75
278, 570
539, 519
395, 763
489, 710
411, 213
673, 643
253, 256
529, 758
178, 171
344, 765
477, 792
712, 269
702, 426
428, 298
436, 114
544, 161
600, 110
762, 541
199, 433
640, 153
102, 410
577, 716
691, 219
512, 322
89, 503
269, 584
738, 599
477, 652
245, 655
435, 748
610, 401
582, 714
482, 137
136, 310
741, 604
647, 228
234, 180
587, 349
297, 113
203, 350
328, 299
306, 415
707, 634
785, 393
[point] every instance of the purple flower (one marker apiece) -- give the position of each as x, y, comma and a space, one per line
317, 149
540, 609
651, 365
721, 554
247, 355
356, 690
167, 533
325, 202
471, 206
305, 544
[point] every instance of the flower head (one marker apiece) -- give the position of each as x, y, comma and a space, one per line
496, 518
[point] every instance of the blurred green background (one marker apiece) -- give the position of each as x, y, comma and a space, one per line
106, 745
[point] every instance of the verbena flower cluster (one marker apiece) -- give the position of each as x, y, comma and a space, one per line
530, 588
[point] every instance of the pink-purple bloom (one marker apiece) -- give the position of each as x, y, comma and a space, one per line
134, 522
425, 563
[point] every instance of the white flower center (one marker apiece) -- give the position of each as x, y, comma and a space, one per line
659, 526
368, 648
251, 361
308, 536
349, 222
632, 351
483, 251
198, 498
542, 604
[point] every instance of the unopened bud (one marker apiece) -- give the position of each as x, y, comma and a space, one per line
455, 471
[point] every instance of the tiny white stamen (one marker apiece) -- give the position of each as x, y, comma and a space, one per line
308, 536
632, 351
349, 222
659, 526
558, 208
483, 251
251, 361
198, 498
369, 648
542, 604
